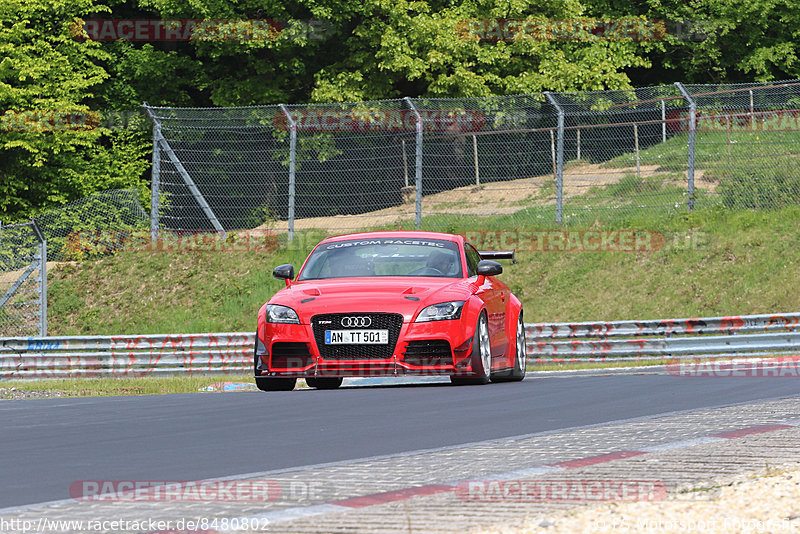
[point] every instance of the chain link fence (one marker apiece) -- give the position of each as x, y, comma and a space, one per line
93, 226
747, 151
23, 280
439, 164
84, 229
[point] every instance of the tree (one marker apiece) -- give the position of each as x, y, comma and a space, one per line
716, 41
339, 50
54, 146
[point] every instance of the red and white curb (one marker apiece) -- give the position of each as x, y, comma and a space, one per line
343, 505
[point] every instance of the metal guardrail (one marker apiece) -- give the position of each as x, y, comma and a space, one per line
154, 355
740, 335
232, 352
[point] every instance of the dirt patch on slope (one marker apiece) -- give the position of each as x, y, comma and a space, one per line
492, 198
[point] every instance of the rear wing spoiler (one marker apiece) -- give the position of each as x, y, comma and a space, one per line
498, 255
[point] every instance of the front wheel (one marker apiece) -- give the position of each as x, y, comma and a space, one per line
327, 382
481, 356
268, 383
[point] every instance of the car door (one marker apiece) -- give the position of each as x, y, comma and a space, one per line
495, 294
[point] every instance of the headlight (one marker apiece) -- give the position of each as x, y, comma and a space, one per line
441, 312
281, 314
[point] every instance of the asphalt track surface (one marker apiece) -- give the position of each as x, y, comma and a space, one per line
47, 444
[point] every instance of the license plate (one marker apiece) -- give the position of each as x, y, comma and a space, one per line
356, 337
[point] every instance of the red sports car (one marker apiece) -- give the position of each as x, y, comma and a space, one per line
391, 303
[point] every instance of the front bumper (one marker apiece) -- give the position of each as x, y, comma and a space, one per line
423, 349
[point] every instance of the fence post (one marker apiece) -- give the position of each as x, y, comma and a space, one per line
417, 165
636, 148
405, 162
42, 254
155, 183
292, 161
690, 162
559, 158
728, 132
43, 289
475, 152
187, 179
578, 142
663, 122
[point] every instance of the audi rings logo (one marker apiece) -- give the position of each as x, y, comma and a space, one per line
356, 322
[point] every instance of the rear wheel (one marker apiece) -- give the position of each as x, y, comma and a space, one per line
520, 357
327, 382
269, 383
481, 356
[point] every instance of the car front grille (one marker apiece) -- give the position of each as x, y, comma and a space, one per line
377, 321
428, 352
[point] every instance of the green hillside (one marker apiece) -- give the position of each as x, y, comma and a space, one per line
711, 262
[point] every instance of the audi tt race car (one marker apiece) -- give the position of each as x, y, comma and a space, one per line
387, 304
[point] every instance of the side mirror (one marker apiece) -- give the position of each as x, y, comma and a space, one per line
285, 272
489, 268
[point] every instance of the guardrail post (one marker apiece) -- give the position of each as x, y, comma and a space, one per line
559, 158
417, 165
292, 163
690, 162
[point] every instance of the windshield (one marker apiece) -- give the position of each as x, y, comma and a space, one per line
383, 257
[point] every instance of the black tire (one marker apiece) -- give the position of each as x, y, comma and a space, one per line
270, 383
481, 356
520, 356
325, 382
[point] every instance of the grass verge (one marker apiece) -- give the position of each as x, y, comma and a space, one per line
113, 387
109, 387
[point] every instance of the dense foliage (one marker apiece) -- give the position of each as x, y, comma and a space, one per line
329, 50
